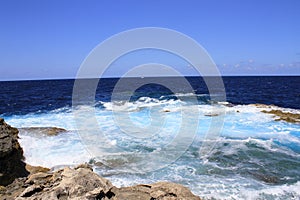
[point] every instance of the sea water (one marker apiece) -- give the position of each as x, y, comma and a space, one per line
253, 157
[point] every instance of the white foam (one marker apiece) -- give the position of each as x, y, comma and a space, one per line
51, 151
274, 192
243, 124
142, 102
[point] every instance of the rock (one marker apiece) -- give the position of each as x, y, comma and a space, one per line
78, 183
82, 183
157, 191
211, 114
36, 169
39, 177
11, 155
166, 110
13, 190
50, 131
259, 105
163, 190
284, 116
31, 190
227, 104
269, 179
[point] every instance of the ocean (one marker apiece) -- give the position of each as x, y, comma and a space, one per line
252, 155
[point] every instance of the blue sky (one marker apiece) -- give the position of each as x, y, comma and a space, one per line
50, 38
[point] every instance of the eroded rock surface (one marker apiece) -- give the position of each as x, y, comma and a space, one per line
81, 183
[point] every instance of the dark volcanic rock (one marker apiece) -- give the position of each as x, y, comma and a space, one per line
11, 155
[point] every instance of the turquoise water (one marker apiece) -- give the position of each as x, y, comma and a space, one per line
252, 157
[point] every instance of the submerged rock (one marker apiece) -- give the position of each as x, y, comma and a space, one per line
284, 116
50, 131
267, 178
211, 114
11, 155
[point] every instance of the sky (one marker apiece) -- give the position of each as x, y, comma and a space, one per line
45, 39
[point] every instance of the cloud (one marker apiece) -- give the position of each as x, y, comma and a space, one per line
251, 61
295, 64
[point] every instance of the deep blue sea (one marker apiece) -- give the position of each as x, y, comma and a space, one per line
225, 149
23, 97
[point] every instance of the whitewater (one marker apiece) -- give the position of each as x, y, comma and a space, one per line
255, 156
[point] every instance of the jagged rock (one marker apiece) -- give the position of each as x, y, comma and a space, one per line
81, 183
11, 155
50, 131
13, 190
78, 183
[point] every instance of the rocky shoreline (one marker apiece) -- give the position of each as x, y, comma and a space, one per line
24, 182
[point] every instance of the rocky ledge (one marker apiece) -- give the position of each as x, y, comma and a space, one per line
79, 183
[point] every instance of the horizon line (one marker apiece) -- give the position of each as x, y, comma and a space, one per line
74, 78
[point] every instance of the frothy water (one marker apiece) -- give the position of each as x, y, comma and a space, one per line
255, 156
